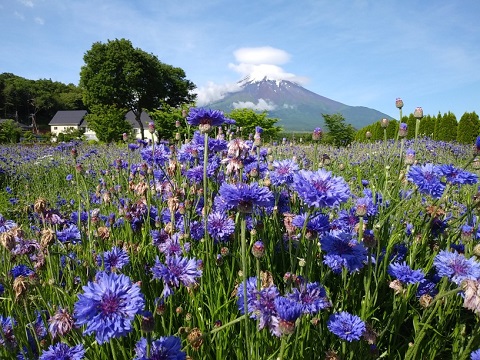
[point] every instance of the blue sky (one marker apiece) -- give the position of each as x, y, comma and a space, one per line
358, 52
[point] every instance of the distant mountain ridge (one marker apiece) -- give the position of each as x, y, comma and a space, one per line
297, 108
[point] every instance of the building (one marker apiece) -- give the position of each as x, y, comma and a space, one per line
68, 120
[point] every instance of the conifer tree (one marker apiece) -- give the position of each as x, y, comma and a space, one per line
447, 127
468, 128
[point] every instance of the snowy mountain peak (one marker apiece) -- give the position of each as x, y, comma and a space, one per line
256, 79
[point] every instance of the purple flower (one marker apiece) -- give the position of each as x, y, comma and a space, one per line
287, 309
317, 223
6, 225
320, 189
346, 326
343, 251
457, 176
456, 266
205, 118
21, 270
311, 296
176, 271
168, 347
158, 154
427, 179
405, 274
7, 336
108, 306
220, 226
64, 352
475, 355
115, 259
283, 171
245, 197
69, 234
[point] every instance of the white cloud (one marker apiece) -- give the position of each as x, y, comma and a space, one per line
27, 3
213, 92
261, 55
39, 21
260, 106
19, 15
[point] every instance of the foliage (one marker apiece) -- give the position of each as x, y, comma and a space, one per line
166, 120
22, 99
116, 74
10, 132
66, 220
339, 133
427, 127
447, 127
108, 122
468, 128
247, 120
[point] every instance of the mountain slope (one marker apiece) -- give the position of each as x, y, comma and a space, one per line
297, 108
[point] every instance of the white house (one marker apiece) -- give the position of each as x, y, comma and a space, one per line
66, 120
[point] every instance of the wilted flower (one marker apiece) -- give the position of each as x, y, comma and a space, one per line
399, 103
403, 130
471, 298
60, 323
317, 134
418, 113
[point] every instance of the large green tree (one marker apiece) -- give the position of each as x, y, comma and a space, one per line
111, 130
247, 120
339, 133
468, 128
117, 74
447, 127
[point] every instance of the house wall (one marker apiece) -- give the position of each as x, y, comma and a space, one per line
57, 129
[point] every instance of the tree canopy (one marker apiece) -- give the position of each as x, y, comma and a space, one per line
119, 75
339, 133
247, 120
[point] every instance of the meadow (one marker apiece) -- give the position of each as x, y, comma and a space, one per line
216, 247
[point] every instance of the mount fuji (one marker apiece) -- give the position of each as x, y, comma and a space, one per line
297, 108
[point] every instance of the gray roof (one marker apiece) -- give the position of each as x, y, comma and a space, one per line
76, 118
145, 118
68, 117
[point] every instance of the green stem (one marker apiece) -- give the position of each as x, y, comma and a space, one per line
243, 227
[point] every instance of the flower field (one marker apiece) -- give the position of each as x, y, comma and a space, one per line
216, 247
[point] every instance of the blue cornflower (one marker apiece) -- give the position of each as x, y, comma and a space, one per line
9, 190
245, 197
405, 274
251, 296
220, 226
456, 266
287, 309
21, 270
365, 206
69, 234
427, 179
318, 223
195, 174
283, 171
7, 336
155, 155
69, 177
311, 296
346, 326
477, 143
320, 189
343, 251
115, 259
205, 118
108, 306
166, 347
63, 352
475, 355
457, 176
176, 271
172, 246
6, 225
